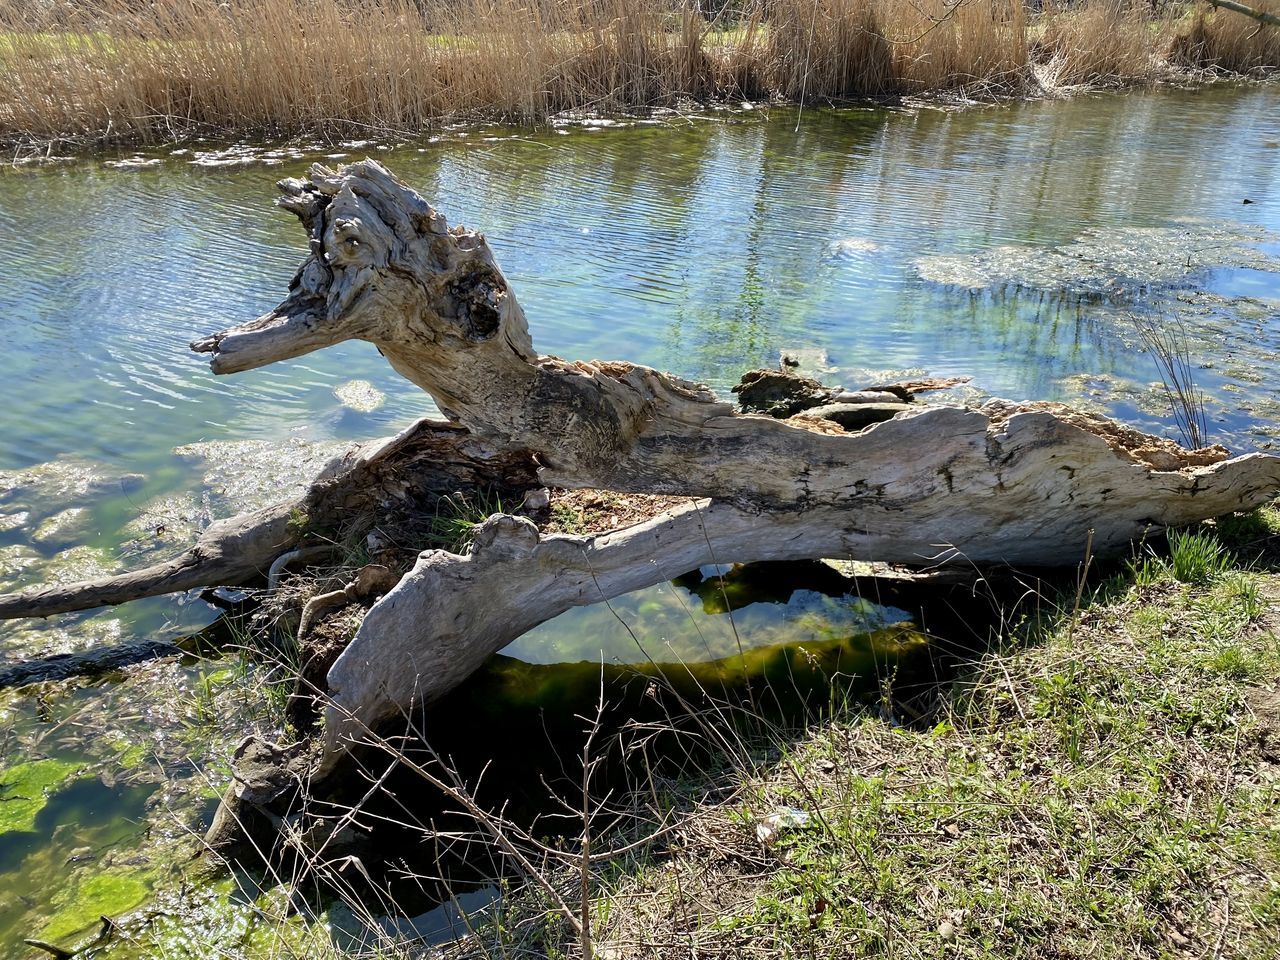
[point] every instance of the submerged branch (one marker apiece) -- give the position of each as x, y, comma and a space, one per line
428, 458
100, 660
229, 553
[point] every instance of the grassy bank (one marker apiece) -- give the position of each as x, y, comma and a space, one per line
1106, 783
113, 71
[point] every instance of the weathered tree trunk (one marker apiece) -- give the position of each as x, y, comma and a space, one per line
978, 490
386, 268
1006, 483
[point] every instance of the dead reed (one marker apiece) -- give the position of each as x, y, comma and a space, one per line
1104, 43
85, 71
1234, 44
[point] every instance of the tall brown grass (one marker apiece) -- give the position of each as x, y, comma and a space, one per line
100, 70
1225, 41
1104, 42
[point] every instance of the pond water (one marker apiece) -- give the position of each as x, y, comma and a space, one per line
1011, 244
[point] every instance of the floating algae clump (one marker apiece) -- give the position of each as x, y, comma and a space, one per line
62, 484
242, 475
65, 527
360, 396
25, 789
1110, 262
15, 561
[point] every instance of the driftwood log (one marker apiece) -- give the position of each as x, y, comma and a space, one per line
1004, 483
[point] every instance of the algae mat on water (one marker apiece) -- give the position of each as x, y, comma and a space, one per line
102, 895
25, 790
1116, 262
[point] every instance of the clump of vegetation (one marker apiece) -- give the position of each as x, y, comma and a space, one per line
453, 525
1170, 346
1230, 44
1194, 557
111, 70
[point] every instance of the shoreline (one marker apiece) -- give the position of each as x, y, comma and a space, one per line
279, 71
1099, 781
228, 151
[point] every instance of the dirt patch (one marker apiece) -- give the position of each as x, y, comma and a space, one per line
323, 645
1265, 704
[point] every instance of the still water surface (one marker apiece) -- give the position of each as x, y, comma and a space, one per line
1009, 244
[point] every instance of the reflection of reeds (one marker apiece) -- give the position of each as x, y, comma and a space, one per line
1168, 343
116, 70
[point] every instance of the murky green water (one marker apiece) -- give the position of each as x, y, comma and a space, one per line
1009, 244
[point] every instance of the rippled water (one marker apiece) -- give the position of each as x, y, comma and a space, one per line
1007, 243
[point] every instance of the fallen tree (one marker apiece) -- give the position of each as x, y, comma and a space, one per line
1262, 16
911, 483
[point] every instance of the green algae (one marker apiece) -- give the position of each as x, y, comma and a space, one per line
121, 817
228, 917
72, 565
15, 561
63, 484
162, 527
133, 755
29, 640
25, 789
63, 528
506, 685
748, 606
99, 895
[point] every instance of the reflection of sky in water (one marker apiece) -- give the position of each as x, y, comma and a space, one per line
703, 248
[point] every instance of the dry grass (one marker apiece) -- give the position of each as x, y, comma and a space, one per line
111, 70
1104, 42
1225, 41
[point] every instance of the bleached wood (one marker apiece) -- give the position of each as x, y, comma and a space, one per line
385, 267
975, 488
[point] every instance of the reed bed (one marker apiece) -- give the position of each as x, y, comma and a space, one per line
1104, 43
87, 71
1229, 43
